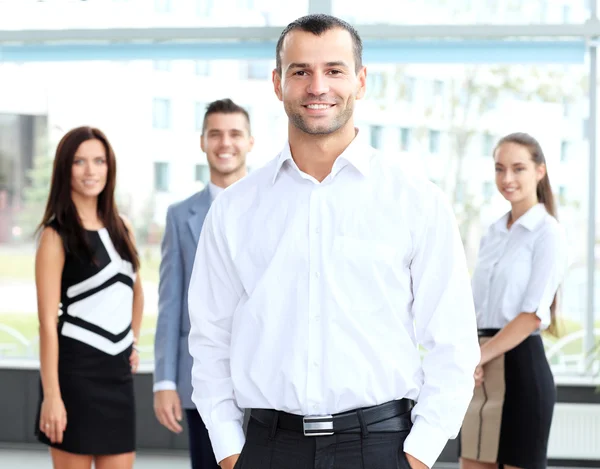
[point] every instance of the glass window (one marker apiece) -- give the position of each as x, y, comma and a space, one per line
202, 68
404, 139
202, 173
376, 136
441, 12
449, 142
258, 69
161, 113
438, 88
562, 195
407, 90
459, 194
161, 176
204, 8
376, 85
200, 111
488, 144
162, 6
488, 191
564, 151
162, 65
434, 141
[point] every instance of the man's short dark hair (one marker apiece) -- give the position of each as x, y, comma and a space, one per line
319, 24
224, 106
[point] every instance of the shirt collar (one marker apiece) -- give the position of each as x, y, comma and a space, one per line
214, 190
529, 220
358, 154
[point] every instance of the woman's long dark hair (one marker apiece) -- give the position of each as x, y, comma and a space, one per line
61, 210
544, 195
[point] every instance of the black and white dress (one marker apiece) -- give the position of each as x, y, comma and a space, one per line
95, 342
518, 270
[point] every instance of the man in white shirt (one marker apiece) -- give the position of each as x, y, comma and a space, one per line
226, 139
317, 276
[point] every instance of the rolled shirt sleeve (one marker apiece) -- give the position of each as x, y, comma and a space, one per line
549, 264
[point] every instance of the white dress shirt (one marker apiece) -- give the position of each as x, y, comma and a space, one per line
167, 385
311, 298
519, 270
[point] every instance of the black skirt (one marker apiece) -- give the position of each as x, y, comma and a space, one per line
508, 421
97, 391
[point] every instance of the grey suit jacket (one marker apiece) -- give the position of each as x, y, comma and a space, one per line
172, 360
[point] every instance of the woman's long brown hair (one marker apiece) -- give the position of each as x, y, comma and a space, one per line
544, 195
61, 210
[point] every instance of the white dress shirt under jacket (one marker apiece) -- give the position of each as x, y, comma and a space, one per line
311, 298
519, 270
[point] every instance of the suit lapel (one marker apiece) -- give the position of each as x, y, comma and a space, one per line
198, 212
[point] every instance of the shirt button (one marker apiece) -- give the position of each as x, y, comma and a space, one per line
318, 230
317, 274
315, 406
315, 364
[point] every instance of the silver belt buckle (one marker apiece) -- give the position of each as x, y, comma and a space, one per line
321, 425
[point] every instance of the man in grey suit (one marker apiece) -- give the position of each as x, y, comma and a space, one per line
226, 140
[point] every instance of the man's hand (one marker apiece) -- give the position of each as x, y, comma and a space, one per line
415, 463
167, 408
229, 462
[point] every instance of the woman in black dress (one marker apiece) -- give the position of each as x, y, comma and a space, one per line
521, 263
88, 285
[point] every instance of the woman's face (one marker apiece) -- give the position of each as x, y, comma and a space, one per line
517, 175
90, 169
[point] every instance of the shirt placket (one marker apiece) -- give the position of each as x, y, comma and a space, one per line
315, 331
493, 269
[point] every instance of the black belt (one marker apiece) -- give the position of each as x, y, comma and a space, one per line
393, 416
487, 332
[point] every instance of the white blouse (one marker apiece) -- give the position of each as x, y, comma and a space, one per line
519, 269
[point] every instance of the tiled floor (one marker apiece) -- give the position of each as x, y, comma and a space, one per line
34, 457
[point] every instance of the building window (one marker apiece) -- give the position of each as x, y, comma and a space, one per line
562, 195
258, 70
200, 111
204, 7
162, 6
202, 68
566, 107
161, 113
404, 139
488, 191
438, 88
376, 84
202, 173
434, 141
376, 136
488, 144
161, 177
564, 151
409, 89
162, 65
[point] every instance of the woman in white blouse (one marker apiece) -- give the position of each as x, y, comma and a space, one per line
522, 261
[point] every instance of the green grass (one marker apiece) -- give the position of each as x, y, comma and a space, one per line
27, 326
17, 265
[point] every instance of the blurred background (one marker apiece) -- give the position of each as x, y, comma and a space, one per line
446, 80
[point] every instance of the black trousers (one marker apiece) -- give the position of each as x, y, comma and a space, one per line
275, 448
201, 451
